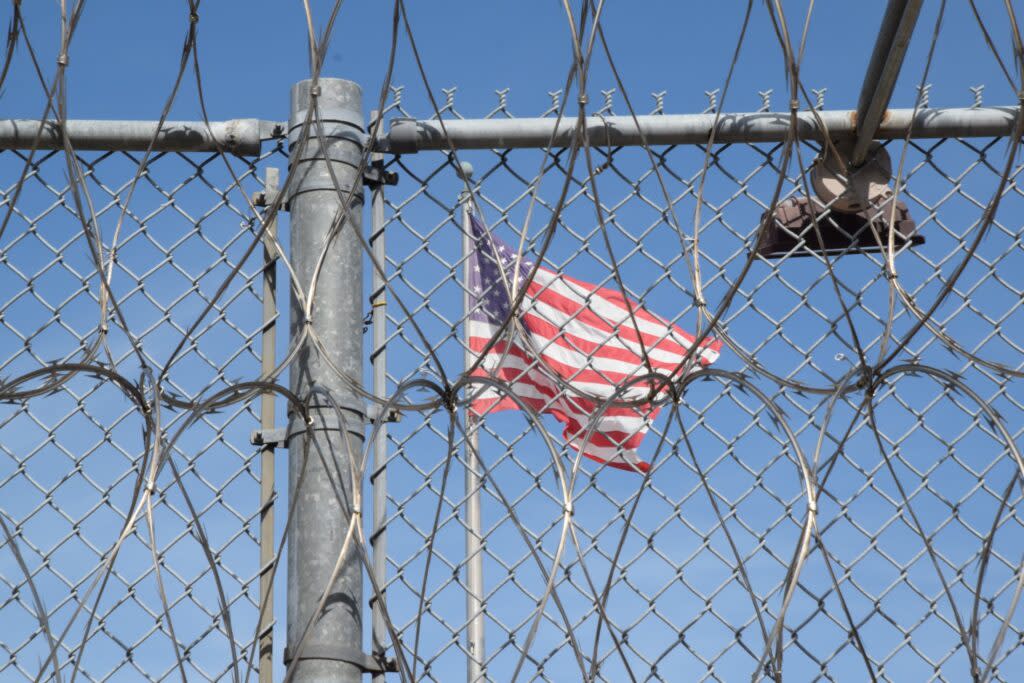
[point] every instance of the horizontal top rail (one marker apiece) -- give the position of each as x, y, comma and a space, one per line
238, 136
408, 135
243, 136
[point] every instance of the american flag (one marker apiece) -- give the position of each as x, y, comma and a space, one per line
577, 332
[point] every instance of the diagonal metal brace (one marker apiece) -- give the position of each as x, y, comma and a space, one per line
884, 68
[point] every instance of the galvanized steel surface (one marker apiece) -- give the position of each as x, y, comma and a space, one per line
242, 136
325, 594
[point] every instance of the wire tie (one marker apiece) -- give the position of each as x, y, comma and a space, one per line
794, 105
315, 91
448, 400
62, 60
582, 99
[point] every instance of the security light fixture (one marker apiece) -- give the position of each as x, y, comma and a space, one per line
853, 210
789, 231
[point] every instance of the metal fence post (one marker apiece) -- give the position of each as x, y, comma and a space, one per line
378, 360
476, 667
332, 651
268, 354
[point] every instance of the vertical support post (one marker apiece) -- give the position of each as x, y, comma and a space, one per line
378, 359
332, 650
268, 357
475, 662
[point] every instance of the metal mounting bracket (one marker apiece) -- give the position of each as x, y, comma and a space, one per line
278, 437
848, 188
273, 130
267, 197
376, 175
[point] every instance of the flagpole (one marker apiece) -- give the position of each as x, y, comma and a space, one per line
475, 667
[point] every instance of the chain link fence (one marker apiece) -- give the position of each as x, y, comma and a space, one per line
73, 451
691, 567
715, 567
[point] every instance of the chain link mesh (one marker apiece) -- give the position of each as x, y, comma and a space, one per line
73, 454
913, 477
697, 573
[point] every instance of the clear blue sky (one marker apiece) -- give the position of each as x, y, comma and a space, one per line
125, 53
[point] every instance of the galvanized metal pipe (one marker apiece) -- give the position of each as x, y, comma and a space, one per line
242, 136
333, 649
379, 474
884, 68
476, 668
268, 358
239, 136
408, 135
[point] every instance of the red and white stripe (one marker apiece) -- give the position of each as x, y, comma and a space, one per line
583, 335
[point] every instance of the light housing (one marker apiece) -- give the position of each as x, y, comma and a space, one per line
789, 230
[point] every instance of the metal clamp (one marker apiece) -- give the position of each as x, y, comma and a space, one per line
368, 664
375, 175
279, 436
375, 413
266, 197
